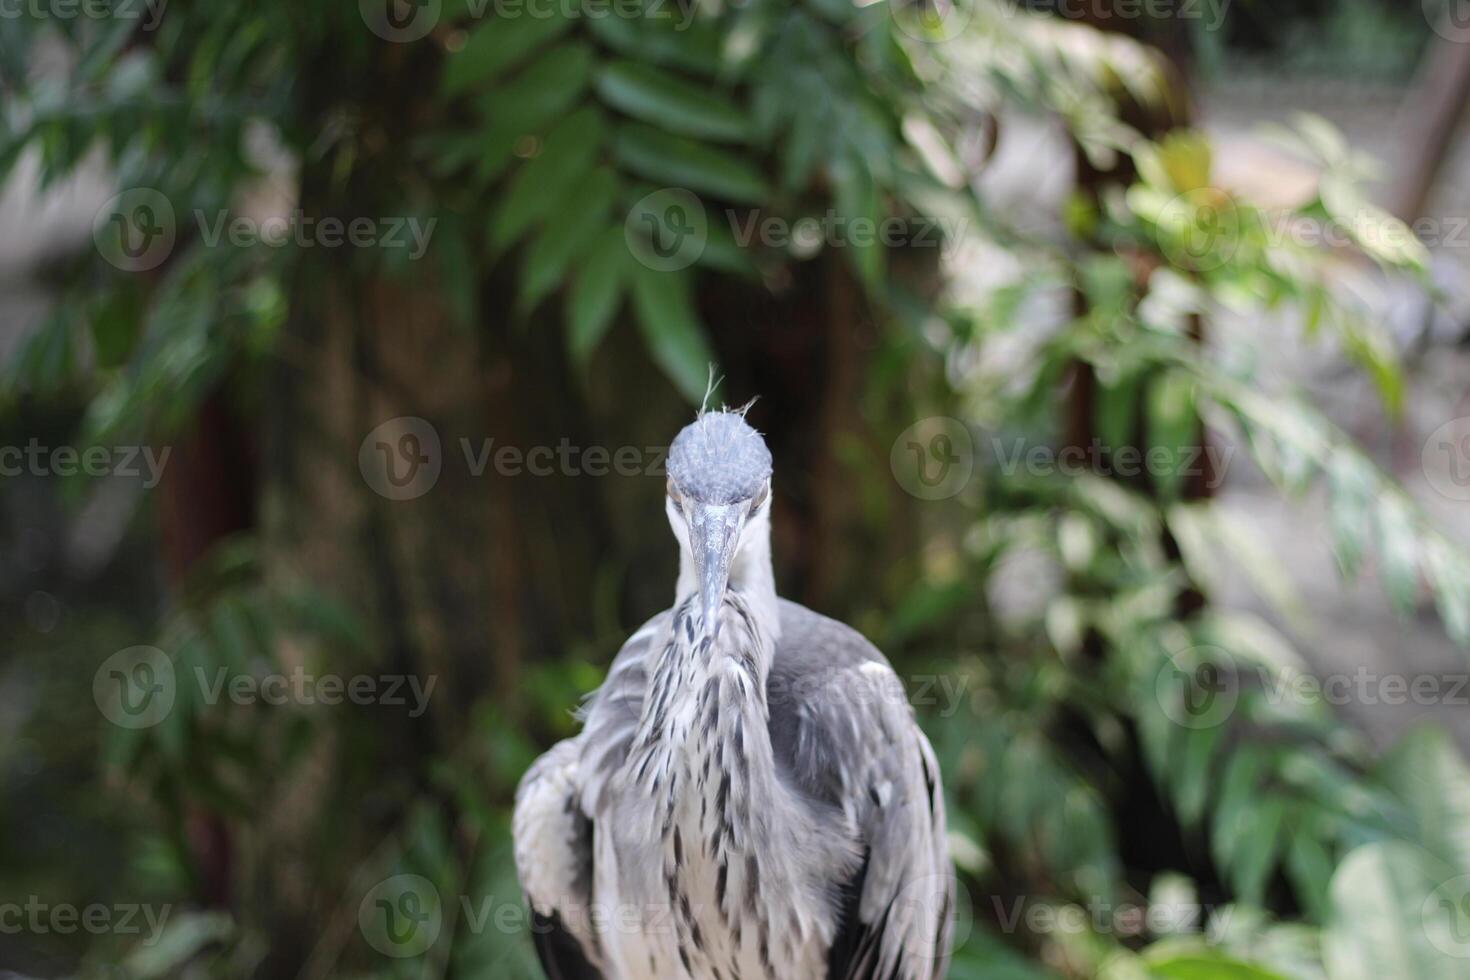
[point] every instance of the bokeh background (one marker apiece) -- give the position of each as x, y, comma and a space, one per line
1114, 357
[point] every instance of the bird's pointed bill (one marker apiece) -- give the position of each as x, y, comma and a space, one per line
714, 533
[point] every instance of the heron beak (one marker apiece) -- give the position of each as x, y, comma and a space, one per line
714, 534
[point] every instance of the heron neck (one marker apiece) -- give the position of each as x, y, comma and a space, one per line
751, 574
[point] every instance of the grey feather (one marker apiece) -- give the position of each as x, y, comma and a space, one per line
750, 795
843, 736
719, 459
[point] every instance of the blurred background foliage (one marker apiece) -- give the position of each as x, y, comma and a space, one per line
1079, 771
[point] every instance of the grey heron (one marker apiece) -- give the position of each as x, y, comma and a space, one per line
750, 795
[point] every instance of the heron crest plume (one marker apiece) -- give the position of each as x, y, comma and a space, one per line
719, 459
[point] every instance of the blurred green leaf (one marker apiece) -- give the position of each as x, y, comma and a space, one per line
668, 101
595, 292
681, 162
497, 44
671, 328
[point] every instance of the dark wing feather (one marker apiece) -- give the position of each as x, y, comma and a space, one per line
561, 955
842, 728
556, 803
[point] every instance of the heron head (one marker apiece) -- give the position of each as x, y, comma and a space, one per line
719, 484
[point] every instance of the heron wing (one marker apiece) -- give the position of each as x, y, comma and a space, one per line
553, 851
556, 805
610, 715
842, 727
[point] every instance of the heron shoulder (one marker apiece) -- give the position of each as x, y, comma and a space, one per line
811, 642
835, 703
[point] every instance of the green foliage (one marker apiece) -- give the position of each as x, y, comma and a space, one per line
540, 143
